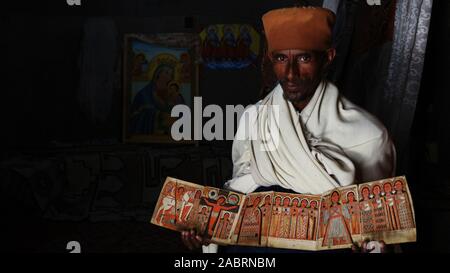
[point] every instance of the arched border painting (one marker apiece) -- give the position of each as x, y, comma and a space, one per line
229, 46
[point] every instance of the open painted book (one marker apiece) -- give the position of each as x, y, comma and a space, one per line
379, 210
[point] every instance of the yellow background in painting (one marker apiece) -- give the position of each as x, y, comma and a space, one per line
166, 59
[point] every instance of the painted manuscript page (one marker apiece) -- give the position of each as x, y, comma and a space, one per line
387, 211
177, 204
212, 212
339, 220
253, 227
294, 221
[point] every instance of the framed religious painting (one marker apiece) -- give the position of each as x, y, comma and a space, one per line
229, 46
160, 72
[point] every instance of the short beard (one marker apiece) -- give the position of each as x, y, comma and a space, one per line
307, 93
296, 97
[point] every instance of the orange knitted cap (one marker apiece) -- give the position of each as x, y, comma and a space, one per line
298, 28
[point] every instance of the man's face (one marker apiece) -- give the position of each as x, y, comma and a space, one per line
298, 71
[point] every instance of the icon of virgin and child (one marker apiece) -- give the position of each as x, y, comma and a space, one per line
158, 91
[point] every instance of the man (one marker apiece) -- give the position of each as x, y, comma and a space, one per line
304, 136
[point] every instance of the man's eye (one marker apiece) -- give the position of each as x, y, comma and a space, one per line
304, 59
280, 58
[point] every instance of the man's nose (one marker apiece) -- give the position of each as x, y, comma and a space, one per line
292, 71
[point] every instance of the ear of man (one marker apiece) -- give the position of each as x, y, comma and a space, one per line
330, 55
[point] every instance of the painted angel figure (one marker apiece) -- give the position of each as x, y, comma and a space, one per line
353, 208
302, 220
228, 43
379, 210
403, 207
367, 218
186, 206
324, 216
191, 217
391, 208
223, 227
285, 221
294, 217
251, 223
211, 45
337, 232
202, 219
312, 220
265, 212
166, 211
275, 219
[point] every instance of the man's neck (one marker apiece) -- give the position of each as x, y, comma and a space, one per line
300, 105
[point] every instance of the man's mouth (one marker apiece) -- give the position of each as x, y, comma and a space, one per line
291, 87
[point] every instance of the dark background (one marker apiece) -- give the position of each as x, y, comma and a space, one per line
65, 177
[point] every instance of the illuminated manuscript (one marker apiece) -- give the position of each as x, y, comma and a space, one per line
378, 210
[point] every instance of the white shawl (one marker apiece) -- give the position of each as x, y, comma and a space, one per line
331, 143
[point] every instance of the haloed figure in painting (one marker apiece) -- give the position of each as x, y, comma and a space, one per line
337, 232
353, 209
250, 231
402, 201
217, 207
150, 101
391, 208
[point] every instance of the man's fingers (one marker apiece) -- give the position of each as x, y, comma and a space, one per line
206, 242
195, 242
364, 245
193, 238
364, 248
383, 247
369, 249
186, 240
202, 240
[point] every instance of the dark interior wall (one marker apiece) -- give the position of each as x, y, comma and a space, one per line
430, 134
43, 52
54, 176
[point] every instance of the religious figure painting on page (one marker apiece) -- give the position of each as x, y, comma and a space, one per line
294, 222
175, 204
218, 202
256, 215
337, 218
386, 210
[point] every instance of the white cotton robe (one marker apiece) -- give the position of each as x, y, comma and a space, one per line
330, 143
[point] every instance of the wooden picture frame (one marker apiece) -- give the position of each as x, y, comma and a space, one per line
160, 71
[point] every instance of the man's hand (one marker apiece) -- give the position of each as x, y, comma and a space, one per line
369, 246
193, 241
